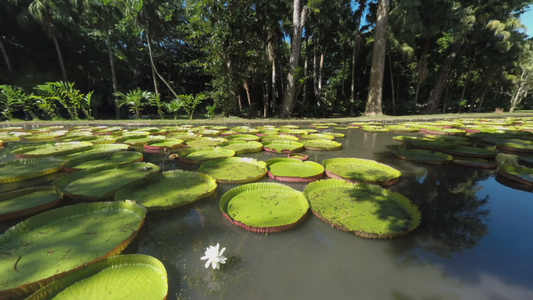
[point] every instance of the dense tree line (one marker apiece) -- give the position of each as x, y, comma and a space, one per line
253, 58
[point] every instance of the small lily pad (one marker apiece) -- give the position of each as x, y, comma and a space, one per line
279, 146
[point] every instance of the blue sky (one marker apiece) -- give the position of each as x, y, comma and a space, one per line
527, 19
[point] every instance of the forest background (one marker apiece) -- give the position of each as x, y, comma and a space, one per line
108, 59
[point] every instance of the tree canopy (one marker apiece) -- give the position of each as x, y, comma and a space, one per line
261, 58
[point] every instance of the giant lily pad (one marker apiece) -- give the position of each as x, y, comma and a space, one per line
241, 147
56, 149
475, 162
102, 181
361, 170
294, 170
368, 211
279, 146
169, 189
133, 276
319, 144
96, 159
100, 148
199, 155
520, 174
244, 137
234, 169
163, 144
424, 156
205, 142
264, 207
27, 202
471, 152
46, 246
27, 168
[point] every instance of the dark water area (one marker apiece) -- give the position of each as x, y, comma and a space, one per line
475, 240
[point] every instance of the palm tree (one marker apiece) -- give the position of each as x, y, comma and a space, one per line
135, 99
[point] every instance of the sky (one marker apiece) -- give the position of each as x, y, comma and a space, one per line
527, 19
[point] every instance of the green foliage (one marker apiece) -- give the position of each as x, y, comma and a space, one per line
50, 94
174, 107
11, 98
136, 99
190, 102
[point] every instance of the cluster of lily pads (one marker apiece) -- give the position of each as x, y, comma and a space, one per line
474, 143
100, 163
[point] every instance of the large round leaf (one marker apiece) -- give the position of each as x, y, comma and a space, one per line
169, 189
133, 276
96, 159
320, 144
103, 181
27, 168
520, 174
50, 244
234, 169
28, 201
294, 170
424, 156
241, 147
264, 207
361, 170
279, 146
367, 210
199, 155
100, 148
56, 149
471, 152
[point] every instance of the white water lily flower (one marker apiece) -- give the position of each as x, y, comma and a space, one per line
214, 256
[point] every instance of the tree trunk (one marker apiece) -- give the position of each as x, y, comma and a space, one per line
6, 57
60, 57
149, 42
436, 92
392, 87
299, 16
272, 58
375, 89
112, 67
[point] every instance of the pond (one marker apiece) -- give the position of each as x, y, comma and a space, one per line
474, 242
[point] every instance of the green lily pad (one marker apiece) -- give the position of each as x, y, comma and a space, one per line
277, 137
96, 159
368, 211
169, 190
132, 276
234, 169
374, 128
100, 148
321, 145
361, 170
279, 146
264, 207
243, 137
520, 174
48, 245
471, 152
205, 142
163, 144
241, 147
56, 149
27, 168
28, 201
475, 163
294, 170
424, 156
103, 181
200, 155
320, 136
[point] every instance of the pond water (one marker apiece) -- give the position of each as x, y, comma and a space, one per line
474, 242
